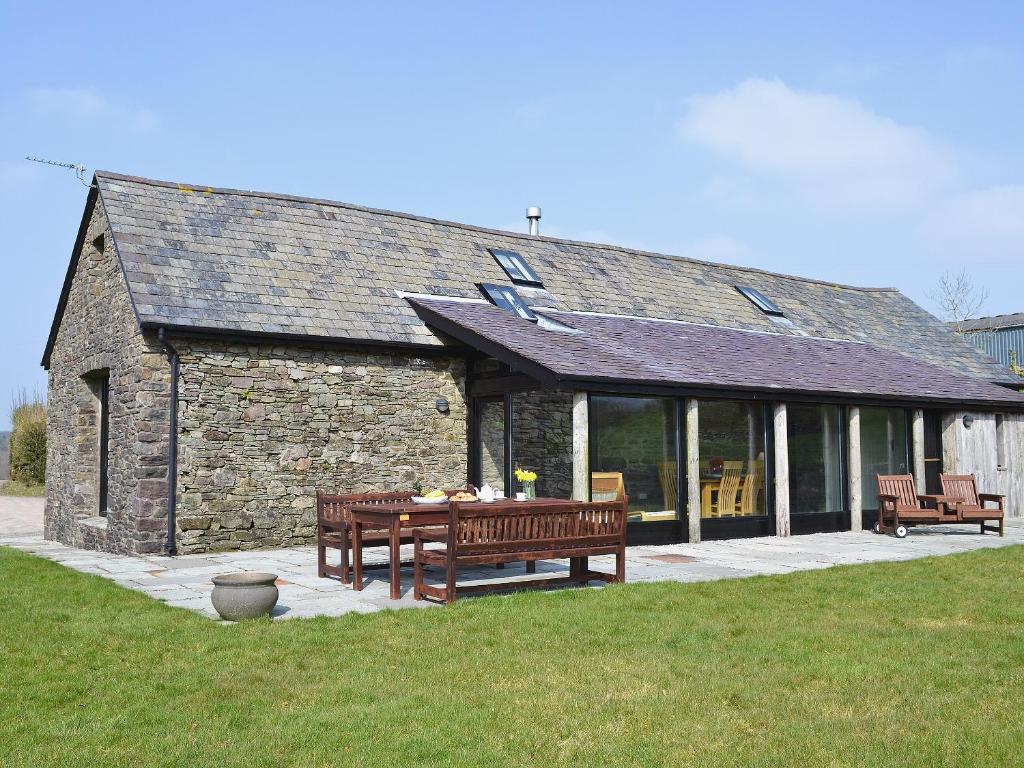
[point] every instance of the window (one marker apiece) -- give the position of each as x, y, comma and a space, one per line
731, 438
506, 298
491, 459
815, 463
884, 449
761, 301
103, 422
516, 267
1000, 441
633, 450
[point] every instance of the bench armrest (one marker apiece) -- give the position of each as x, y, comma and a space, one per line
991, 497
938, 498
888, 497
332, 526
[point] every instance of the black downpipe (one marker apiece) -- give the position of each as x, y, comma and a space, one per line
170, 547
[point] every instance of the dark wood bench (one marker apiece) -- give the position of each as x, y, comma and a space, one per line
333, 527
480, 534
970, 505
901, 506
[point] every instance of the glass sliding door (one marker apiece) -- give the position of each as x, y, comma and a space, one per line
884, 450
816, 497
633, 451
731, 461
542, 440
490, 439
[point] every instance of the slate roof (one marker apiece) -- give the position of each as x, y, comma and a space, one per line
997, 322
257, 263
589, 349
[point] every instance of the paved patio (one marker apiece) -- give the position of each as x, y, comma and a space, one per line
184, 581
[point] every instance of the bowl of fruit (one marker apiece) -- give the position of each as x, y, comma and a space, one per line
432, 497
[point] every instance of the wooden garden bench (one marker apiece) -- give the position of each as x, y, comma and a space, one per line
970, 505
479, 534
333, 527
901, 506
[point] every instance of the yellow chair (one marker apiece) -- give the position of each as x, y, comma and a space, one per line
728, 489
753, 485
667, 475
607, 486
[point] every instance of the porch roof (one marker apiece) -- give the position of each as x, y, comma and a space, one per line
587, 350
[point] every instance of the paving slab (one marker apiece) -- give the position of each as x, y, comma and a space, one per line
184, 581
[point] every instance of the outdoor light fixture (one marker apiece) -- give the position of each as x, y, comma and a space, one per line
441, 404
968, 420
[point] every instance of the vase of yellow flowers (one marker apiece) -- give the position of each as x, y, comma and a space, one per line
528, 480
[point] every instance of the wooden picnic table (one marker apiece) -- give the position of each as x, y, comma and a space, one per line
402, 516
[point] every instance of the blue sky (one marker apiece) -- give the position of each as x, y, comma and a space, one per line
868, 143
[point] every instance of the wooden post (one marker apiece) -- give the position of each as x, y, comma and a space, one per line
580, 447
917, 428
781, 471
692, 471
853, 461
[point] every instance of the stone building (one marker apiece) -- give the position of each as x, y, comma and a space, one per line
217, 355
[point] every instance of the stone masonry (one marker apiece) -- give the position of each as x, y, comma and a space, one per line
99, 336
263, 426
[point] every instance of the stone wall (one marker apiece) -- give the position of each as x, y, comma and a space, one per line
98, 335
263, 426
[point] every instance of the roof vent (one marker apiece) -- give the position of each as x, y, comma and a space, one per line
533, 216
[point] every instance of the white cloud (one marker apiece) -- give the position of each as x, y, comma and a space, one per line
981, 225
89, 105
835, 149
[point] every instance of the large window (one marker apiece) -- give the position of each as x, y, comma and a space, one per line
815, 461
883, 449
491, 442
732, 443
633, 450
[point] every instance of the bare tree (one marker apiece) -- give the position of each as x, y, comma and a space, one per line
957, 298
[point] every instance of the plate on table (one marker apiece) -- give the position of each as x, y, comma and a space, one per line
429, 499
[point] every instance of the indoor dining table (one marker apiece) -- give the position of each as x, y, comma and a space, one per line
403, 516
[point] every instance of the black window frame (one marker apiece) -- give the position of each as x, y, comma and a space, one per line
760, 301
103, 423
515, 266
507, 298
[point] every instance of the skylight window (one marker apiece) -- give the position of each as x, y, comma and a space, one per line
761, 301
516, 267
505, 297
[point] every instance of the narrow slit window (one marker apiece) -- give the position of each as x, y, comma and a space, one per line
1000, 440
515, 267
506, 298
103, 401
760, 301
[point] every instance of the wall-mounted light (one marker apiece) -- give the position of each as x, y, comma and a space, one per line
442, 405
968, 420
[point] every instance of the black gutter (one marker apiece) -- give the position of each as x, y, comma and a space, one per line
172, 446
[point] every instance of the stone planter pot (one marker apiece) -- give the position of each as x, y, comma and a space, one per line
247, 595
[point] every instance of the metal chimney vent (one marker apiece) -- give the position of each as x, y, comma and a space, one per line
533, 216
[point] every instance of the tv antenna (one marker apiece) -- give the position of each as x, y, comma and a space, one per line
78, 168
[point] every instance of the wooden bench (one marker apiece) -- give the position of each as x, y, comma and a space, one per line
480, 534
901, 506
333, 529
970, 505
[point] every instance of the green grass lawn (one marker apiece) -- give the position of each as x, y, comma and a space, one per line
16, 488
918, 663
